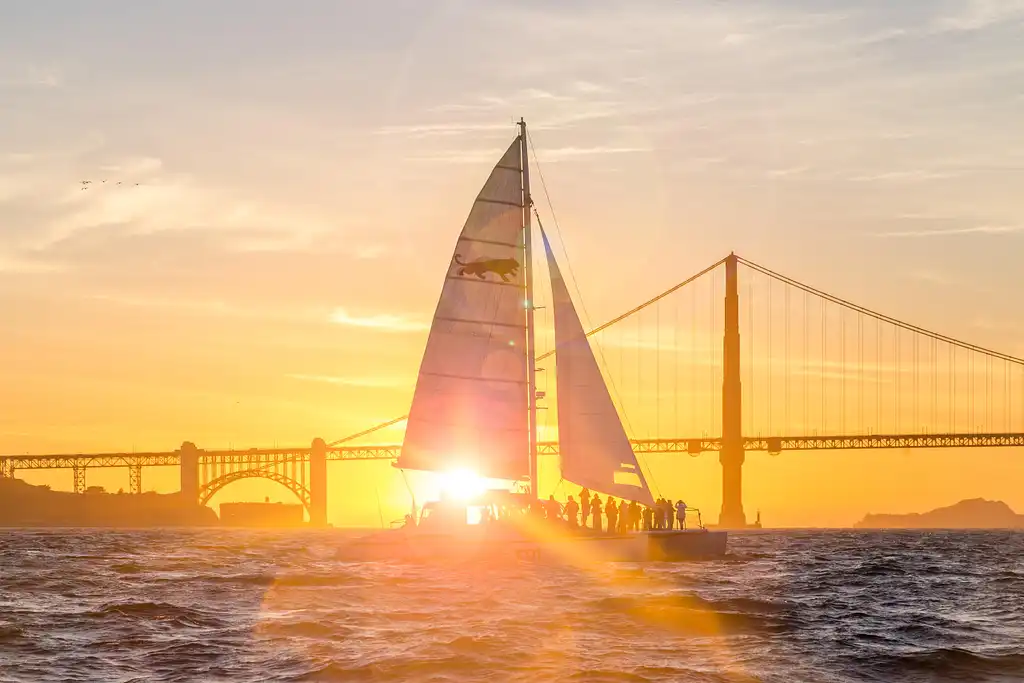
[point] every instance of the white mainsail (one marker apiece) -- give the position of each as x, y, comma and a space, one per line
470, 407
592, 445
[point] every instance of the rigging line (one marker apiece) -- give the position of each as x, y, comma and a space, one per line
572, 276
383, 425
881, 316
558, 229
600, 347
599, 328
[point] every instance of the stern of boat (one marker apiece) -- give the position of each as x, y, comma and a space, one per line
670, 546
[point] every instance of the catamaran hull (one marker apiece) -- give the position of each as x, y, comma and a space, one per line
671, 546
654, 546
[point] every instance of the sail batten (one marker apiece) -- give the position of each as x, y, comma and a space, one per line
593, 446
470, 406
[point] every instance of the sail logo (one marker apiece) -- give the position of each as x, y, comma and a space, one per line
502, 267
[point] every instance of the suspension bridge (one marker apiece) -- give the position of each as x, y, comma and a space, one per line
780, 366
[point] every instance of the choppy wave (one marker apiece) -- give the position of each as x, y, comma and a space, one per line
217, 605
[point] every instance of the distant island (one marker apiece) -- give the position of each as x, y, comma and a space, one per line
976, 513
25, 505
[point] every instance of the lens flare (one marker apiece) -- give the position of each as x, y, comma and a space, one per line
463, 484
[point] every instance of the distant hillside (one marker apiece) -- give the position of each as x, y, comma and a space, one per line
976, 513
22, 504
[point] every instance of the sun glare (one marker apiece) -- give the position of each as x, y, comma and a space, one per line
463, 484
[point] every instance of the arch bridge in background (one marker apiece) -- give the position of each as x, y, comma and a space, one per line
208, 490
303, 471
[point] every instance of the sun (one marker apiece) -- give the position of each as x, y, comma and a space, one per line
462, 484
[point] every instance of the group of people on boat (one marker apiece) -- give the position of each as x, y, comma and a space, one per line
622, 516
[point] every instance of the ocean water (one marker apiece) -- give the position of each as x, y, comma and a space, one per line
220, 605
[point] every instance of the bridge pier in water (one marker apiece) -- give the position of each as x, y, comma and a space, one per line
318, 483
189, 473
732, 454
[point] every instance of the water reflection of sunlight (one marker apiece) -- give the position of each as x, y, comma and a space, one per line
318, 611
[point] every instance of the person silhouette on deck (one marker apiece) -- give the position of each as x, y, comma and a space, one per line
681, 514
634, 516
612, 512
554, 510
659, 515
572, 508
670, 515
584, 506
625, 521
648, 515
595, 510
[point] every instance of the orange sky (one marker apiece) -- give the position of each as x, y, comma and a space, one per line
301, 179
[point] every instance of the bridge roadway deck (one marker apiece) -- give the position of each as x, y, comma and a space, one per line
390, 452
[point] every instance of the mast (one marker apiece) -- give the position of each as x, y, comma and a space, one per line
531, 350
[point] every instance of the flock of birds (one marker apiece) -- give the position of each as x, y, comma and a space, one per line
87, 183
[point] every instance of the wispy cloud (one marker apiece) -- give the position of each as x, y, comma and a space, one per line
32, 76
555, 155
381, 321
145, 197
787, 172
917, 175
735, 38
206, 307
365, 382
975, 15
946, 232
943, 278
444, 129
15, 263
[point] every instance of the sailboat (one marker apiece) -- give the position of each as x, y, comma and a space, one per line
474, 409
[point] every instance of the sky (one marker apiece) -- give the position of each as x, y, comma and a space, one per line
293, 179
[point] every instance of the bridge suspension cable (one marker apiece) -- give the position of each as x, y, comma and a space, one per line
881, 316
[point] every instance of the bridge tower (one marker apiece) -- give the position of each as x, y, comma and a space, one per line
732, 455
318, 483
189, 473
